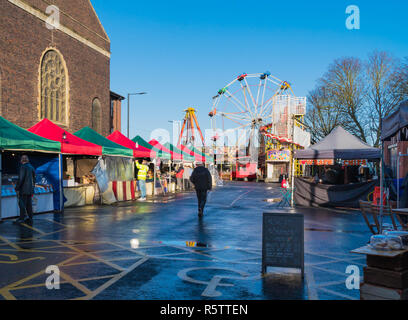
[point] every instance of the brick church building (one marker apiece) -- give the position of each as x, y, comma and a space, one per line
61, 73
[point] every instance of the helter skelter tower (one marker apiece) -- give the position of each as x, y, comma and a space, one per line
190, 128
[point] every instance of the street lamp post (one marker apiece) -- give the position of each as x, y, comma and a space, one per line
128, 109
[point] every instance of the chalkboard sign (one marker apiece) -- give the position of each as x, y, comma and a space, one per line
283, 240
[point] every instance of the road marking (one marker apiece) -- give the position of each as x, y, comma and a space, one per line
113, 280
75, 283
338, 294
240, 197
33, 229
12, 257
30, 277
113, 265
7, 295
311, 284
11, 244
211, 286
22, 261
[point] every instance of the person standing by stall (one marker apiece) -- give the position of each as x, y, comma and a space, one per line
202, 180
25, 190
188, 171
179, 177
141, 178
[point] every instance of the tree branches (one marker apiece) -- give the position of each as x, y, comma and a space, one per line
356, 95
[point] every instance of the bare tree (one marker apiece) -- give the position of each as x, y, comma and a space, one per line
402, 79
383, 91
323, 116
346, 89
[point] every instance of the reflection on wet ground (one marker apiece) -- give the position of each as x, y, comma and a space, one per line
161, 250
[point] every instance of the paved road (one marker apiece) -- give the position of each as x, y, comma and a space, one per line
161, 250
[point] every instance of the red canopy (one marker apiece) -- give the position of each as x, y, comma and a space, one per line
174, 156
138, 152
71, 145
198, 157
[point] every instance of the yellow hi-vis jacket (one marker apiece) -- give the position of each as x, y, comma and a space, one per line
143, 169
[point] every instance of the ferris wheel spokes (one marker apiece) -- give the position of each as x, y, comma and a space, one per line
252, 97
248, 108
231, 96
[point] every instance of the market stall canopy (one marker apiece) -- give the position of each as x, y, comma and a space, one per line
71, 145
197, 157
339, 144
395, 122
109, 148
138, 152
207, 157
185, 155
159, 153
14, 138
174, 156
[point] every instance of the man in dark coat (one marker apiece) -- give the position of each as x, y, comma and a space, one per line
25, 190
202, 180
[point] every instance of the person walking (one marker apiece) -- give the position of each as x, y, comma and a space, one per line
202, 180
141, 178
25, 190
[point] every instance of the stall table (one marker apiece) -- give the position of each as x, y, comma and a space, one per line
79, 196
386, 274
43, 201
403, 211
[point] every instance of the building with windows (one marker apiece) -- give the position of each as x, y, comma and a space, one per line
54, 64
116, 111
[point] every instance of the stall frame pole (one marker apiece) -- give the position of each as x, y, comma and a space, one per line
1, 180
170, 163
400, 155
292, 200
61, 184
381, 187
154, 177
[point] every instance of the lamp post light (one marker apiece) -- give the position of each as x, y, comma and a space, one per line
128, 109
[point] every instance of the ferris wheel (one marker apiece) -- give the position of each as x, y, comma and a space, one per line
247, 104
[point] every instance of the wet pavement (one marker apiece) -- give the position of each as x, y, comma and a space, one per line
161, 250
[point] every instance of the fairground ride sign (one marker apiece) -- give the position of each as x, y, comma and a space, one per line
278, 156
350, 163
318, 162
330, 162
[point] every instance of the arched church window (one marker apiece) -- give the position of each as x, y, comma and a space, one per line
96, 115
1, 105
54, 94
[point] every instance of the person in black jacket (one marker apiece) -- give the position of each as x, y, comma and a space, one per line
202, 180
25, 190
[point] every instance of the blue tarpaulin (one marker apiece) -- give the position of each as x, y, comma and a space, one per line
47, 169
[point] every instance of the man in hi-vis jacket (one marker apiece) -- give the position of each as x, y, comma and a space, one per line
141, 178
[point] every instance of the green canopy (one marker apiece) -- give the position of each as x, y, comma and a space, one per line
207, 157
109, 148
186, 156
14, 138
159, 153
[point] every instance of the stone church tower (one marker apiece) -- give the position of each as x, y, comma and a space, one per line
60, 72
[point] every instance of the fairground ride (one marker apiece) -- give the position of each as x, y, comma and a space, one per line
258, 110
190, 128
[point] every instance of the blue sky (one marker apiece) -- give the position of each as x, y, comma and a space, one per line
183, 52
